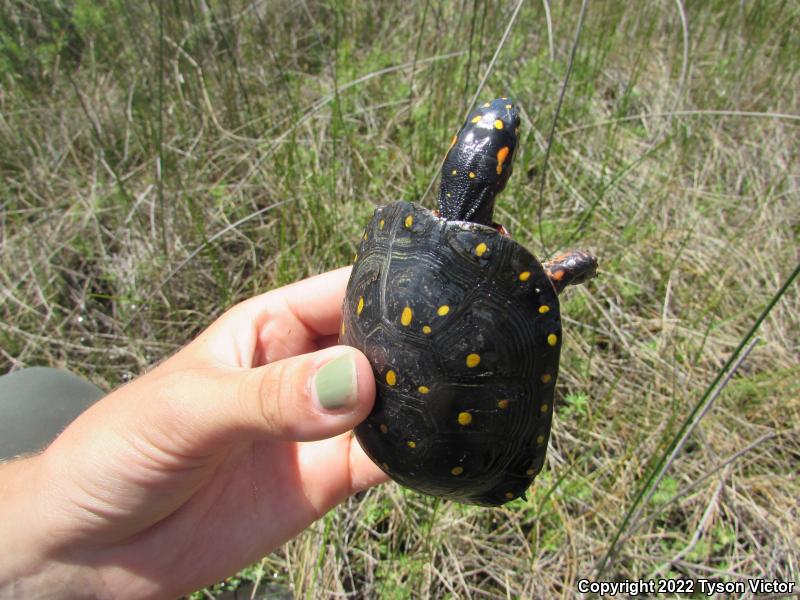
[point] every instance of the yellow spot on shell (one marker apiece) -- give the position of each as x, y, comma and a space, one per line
453, 143
391, 377
502, 404
423, 389
544, 308
409, 221
473, 360
524, 276
411, 444
454, 172
498, 124
382, 223
366, 236
480, 249
472, 175
384, 428
509, 106
449, 195
476, 119
487, 104
360, 306
509, 495
443, 310
426, 329
464, 418
544, 408
457, 470
529, 472
502, 155
552, 339
355, 257
546, 378
405, 318
540, 440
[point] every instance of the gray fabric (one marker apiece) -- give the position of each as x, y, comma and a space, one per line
36, 404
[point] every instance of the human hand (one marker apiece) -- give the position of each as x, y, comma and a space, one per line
203, 465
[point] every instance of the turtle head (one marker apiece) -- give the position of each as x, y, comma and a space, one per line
570, 268
478, 163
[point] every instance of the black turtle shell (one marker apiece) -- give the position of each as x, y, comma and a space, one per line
462, 328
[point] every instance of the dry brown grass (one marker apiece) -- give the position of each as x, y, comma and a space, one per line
674, 159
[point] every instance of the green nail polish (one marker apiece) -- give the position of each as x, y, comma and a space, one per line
335, 383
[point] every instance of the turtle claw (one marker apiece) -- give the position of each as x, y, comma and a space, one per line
501, 229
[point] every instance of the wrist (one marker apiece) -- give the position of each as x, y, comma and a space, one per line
27, 568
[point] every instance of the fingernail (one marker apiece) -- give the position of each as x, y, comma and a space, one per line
335, 384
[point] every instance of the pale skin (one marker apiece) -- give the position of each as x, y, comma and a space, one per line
198, 468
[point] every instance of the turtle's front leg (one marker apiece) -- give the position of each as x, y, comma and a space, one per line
570, 268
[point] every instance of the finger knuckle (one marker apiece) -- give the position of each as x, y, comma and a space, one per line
277, 389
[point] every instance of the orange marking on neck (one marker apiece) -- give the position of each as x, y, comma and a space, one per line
502, 154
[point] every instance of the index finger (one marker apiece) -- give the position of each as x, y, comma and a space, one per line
287, 321
315, 302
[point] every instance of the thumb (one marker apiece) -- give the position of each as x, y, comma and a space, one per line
307, 397
302, 398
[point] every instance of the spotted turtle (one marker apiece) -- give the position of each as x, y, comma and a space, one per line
462, 327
